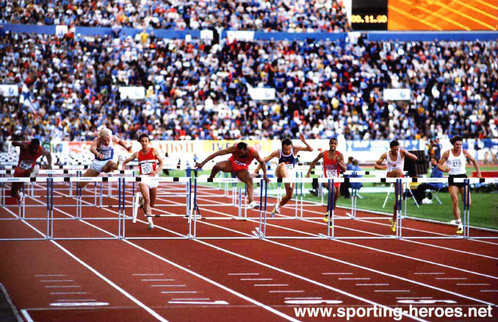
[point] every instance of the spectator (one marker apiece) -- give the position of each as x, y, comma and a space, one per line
420, 192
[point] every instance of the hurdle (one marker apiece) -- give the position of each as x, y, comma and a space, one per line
400, 231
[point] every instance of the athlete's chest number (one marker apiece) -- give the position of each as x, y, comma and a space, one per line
26, 164
146, 167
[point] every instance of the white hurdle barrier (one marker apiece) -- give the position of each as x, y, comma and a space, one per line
191, 207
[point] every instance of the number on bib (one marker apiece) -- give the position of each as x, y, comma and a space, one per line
146, 167
331, 173
26, 164
106, 154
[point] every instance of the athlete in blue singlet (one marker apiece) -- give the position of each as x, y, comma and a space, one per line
103, 149
287, 159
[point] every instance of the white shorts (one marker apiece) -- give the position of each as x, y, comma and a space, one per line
291, 172
150, 183
98, 165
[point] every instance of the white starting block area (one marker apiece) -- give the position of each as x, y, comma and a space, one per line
54, 208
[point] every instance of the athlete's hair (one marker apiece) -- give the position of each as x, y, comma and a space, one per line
456, 138
286, 142
104, 133
34, 143
241, 146
393, 144
333, 139
143, 135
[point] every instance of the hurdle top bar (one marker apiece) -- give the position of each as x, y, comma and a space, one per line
234, 180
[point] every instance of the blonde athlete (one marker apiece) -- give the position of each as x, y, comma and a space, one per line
103, 149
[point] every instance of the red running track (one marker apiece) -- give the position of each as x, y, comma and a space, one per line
235, 279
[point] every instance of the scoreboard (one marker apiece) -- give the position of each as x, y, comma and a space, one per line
438, 15
369, 15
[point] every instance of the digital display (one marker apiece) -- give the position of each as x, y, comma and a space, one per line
441, 15
369, 15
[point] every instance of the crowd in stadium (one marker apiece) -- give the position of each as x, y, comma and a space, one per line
198, 90
262, 15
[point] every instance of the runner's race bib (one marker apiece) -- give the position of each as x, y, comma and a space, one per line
26, 164
107, 154
146, 167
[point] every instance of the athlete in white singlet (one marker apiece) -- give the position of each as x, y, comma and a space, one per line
395, 161
456, 160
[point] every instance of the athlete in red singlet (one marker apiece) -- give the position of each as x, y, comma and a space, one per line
238, 163
150, 164
30, 152
333, 165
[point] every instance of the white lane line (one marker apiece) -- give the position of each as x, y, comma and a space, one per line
392, 291
94, 271
76, 300
56, 281
108, 281
257, 279
414, 297
474, 284
266, 265
450, 249
271, 284
219, 302
147, 274
381, 273
336, 273
168, 285
179, 292
451, 278
394, 254
405, 240
303, 298
419, 260
269, 308
354, 278
372, 284
489, 291
243, 274
286, 291
26, 316
299, 276
377, 271
190, 299
67, 293
157, 279
61, 286
50, 275
78, 304
429, 273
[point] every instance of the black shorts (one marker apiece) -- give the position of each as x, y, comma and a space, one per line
456, 184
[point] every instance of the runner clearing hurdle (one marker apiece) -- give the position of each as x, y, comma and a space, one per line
287, 159
26, 166
238, 163
150, 164
333, 165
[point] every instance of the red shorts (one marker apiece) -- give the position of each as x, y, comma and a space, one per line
238, 167
20, 172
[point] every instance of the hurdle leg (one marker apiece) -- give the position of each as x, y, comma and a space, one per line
387, 197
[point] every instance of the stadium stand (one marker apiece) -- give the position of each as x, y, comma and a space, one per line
280, 15
198, 89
